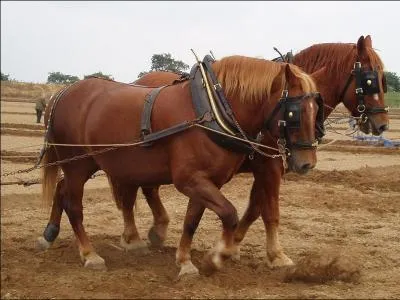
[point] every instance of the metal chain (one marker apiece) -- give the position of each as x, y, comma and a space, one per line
59, 162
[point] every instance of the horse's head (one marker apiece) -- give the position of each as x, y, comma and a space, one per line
363, 93
299, 117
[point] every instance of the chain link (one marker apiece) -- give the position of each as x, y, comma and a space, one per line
59, 162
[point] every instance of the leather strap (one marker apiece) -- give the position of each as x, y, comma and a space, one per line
145, 125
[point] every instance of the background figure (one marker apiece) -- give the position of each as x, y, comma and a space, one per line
40, 107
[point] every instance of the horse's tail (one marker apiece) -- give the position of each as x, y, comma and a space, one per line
115, 192
49, 177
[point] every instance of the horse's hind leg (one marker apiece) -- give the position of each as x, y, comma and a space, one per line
158, 232
53, 226
75, 177
130, 239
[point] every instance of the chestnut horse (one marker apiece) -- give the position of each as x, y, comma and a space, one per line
336, 85
102, 112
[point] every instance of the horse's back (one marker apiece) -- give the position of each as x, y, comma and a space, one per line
98, 111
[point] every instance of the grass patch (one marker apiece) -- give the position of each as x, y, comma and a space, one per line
27, 91
392, 99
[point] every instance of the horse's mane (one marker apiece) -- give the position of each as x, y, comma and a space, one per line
338, 58
252, 78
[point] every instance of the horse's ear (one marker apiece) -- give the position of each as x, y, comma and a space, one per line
368, 41
361, 46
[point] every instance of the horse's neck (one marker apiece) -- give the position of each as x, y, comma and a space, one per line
329, 85
249, 115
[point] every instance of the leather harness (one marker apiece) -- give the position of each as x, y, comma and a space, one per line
288, 107
367, 83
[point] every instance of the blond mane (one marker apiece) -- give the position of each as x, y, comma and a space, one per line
338, 58
252, 78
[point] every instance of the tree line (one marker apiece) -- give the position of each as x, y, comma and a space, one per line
165, 62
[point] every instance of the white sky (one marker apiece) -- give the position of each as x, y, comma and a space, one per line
119, 38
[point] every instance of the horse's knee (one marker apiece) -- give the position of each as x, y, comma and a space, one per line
229, 217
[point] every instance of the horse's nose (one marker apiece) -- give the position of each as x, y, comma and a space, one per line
383, 128
306, 167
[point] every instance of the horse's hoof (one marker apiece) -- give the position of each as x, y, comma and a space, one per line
155, 239
94, 262
236, 255
42, 244
212, 262
138, 246
280, 260
188, 269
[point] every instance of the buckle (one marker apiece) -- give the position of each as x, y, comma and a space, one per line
281, 123
285, 93
217, 85
364, 118
359, 91
357, 65
361, 108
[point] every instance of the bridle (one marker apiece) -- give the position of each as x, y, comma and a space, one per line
289, 109
367, 83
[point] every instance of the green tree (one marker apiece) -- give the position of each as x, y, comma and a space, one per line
57, 77
5, 77
165, 62
99, 74
392, 81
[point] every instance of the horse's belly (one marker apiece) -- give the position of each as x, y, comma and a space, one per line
139, 165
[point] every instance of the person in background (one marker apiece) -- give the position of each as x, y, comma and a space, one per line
40, 107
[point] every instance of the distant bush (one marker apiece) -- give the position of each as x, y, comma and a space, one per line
60, 78
5, 77
99, 74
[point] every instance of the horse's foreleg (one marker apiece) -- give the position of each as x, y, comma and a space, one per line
158, 232
193, 216
250, 215
53, 226
208, 195
270, 215
130, 239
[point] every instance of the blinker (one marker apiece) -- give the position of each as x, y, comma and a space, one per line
370, 82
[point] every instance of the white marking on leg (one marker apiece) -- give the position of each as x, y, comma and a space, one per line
94, 261
275, 255
133, 245
236, 254
187, 268
42, 244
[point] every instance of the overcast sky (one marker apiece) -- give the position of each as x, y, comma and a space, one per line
119, 38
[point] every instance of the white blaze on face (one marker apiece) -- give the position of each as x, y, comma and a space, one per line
376, 97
